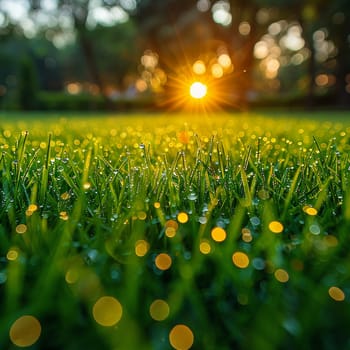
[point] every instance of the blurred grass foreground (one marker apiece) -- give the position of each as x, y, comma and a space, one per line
175, 232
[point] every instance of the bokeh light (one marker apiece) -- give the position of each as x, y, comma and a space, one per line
21, 228
198, 90
199, 67
310, 210
171, 227
159, 310
225, 61
205, 247
275, 227
336, 293
182, 217
240, 259
163, 261
141, 247
12, 255
217, 70
281, 275
218, 234
107, 311
244, 28
181, 337
25, 331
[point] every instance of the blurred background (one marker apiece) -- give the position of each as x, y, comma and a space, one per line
137, 54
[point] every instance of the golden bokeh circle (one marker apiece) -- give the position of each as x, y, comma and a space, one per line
218, 234
163, 261
181, 337
240, 259
25, 331
107, 311
159, 310
276, 227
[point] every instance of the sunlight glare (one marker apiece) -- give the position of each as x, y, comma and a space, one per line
198, 90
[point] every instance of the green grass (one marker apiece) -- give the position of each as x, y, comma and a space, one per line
78, 194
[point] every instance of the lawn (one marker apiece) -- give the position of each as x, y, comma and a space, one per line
222, 231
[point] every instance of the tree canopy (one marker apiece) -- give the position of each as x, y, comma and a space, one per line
250, 51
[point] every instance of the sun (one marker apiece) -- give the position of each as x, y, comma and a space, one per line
198, 90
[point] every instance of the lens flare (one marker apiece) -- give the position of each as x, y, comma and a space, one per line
198, 90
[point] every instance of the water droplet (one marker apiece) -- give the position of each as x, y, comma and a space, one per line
258, 263
192, 196
202, 220
315, 229
255, 221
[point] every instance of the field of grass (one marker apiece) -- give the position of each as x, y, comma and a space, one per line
175, 232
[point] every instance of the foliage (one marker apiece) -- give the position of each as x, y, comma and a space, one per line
27, 85
80, 194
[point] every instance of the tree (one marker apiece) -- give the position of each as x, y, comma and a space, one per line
27, 84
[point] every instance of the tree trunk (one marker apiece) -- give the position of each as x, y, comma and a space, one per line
89, 54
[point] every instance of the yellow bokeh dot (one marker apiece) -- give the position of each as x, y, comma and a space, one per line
172, 223
275, 227
205, 247
32, 207
170, 232
336, 293
141, 215
218, 234
163, 261
107, 311
310, 210
12, 255
86, 185
281, 275
25, 331
21, 228
141, 247
72, 276
246, 235
181, 337
159, 310
156, 205
198, 67
182, 218
65, 196
240, 259
64, 215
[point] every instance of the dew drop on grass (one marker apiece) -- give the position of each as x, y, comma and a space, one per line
315, 229
3, 277
192, 196
255, 221
258, 264
202, 220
